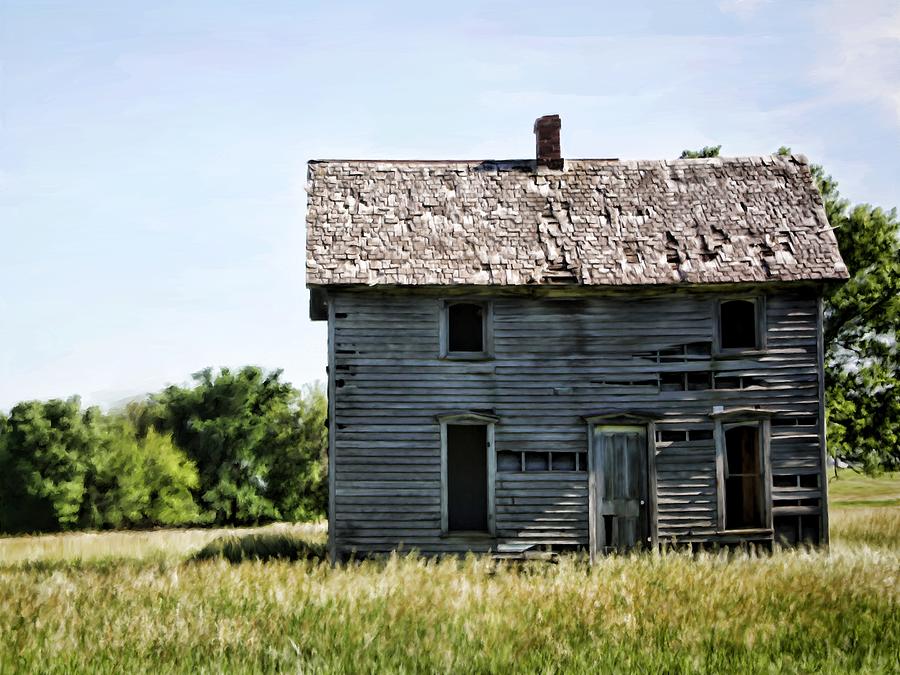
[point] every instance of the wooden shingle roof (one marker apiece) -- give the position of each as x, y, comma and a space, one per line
596, 222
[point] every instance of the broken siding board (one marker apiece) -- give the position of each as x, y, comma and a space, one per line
385, 410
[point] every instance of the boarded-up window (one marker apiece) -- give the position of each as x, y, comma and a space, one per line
737, 325
465, 327
467, 506
743, 478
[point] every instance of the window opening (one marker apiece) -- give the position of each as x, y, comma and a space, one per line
743, 478
465, 327
737, 324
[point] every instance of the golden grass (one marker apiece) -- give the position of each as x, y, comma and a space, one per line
794, 612
138, 602
138, 545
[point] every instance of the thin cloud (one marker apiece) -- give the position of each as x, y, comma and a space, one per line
742, 8
860, 52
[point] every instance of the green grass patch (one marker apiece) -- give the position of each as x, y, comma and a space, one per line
853, 489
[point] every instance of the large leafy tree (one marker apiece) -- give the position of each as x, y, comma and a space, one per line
253, 439
45, 453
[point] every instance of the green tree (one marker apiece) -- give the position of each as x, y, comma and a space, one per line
45, 463
247, 433
706, 151
139, 481
298, 483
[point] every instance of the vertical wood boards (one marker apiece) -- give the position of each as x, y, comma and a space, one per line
556, 361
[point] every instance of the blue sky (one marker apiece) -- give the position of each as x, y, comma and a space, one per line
152, 154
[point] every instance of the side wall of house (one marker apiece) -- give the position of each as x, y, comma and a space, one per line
557, 360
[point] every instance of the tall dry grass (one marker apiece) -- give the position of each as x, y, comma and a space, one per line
132, 609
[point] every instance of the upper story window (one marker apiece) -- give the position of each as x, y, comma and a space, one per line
466, 330
740, 324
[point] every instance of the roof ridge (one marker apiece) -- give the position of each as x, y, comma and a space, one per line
796, 158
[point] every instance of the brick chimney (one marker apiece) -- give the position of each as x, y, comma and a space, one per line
546, 134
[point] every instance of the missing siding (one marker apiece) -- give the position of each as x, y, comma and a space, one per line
664, 435
537, 461
671, 436
797, 530
540, 461
671, 382
509, 461
628, 382
810, 421
738, 382
691, 351
563, 461
697, 381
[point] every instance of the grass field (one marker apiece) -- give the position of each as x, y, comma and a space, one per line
139, 602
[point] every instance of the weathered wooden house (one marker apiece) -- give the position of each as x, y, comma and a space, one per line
585, 353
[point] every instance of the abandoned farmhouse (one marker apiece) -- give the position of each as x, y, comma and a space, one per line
571, 353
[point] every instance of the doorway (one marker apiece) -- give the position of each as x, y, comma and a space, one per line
620, 488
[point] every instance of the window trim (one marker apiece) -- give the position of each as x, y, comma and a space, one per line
473, 419
764, 436
487, 330
759, 308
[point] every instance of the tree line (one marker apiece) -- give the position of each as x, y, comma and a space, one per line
236, 448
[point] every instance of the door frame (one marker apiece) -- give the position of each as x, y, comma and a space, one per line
466, 417
629, 422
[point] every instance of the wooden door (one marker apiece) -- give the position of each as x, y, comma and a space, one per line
620, 484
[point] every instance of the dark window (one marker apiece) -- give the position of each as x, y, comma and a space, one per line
671, 381
671, 436
737, 324
537, 461
809, 480
563, 461
794, 530
697, 381
701, 434
465, 328
509, 461
743, 478
784, 481
531, 460
467, 505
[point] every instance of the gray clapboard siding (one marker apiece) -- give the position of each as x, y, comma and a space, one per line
556, 360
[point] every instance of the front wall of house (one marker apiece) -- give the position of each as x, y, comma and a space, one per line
556, 361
